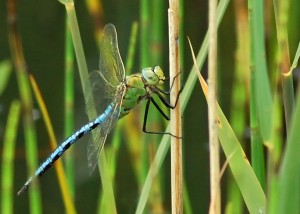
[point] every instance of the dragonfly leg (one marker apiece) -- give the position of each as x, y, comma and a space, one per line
146, 116
159, 109
177, 75
167, 102
168, 92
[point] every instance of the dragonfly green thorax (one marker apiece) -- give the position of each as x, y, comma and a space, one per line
140, 86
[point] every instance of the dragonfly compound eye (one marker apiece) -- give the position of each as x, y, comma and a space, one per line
160, 74
150, 76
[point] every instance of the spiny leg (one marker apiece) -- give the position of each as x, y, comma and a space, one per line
146, 116
159, 109
168, 92
165, 101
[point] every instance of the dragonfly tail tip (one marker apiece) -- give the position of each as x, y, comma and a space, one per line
25, 186
23, 189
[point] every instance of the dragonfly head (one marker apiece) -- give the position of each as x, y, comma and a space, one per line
154, 75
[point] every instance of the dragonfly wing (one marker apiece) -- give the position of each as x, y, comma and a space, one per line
102, 93
105, 82
108, 88
111, 64
93, 148
99, 135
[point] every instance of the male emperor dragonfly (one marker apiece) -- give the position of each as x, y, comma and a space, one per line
114, 95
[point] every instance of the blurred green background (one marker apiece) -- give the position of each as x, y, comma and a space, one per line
41, 25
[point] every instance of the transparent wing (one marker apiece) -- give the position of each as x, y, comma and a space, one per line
93, 149
99, 135
105, 82
111, 65
107, 88
102, 94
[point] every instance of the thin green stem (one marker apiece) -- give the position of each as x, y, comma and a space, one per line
256, 101
69, 108
26, 99
8, 157
281, 9
103, 166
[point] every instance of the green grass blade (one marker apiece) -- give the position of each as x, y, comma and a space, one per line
112, 152
9, 143
69, 108
289, 182
296, 58
281, 11
5, 71
257, 155
187, 206
145, 56
82, 66
244, 175
274, 156
240, 92
242, 171
289, 172
131, 49
144, 32
288, 98
260, 121
264, 103
157, 31
155, 166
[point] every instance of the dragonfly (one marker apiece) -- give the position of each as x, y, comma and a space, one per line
114, 95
